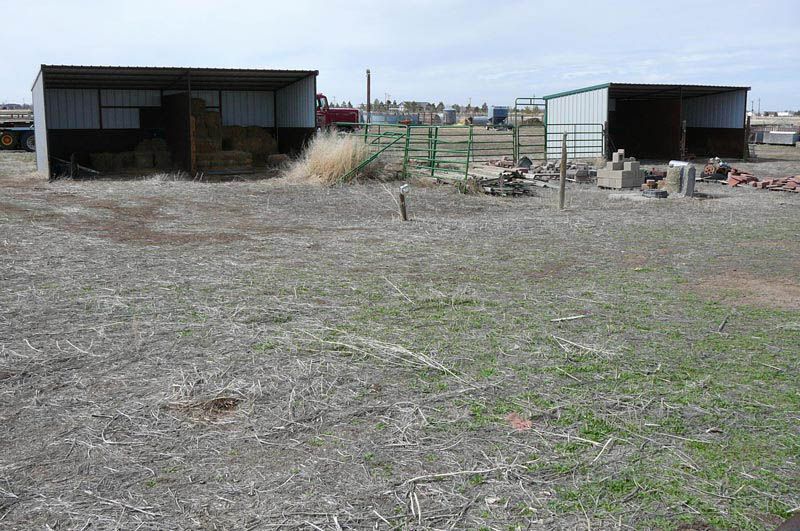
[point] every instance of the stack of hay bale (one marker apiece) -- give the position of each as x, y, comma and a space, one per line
153, 153
620, 173
207, 137
149, 154
254, 140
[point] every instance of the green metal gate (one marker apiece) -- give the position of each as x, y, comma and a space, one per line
448, 152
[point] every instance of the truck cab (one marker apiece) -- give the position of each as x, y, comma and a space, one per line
343, 119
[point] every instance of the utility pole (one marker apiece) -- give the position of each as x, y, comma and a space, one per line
369, 97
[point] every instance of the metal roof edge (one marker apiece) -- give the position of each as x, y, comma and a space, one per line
36, 79
576, 91
56, 67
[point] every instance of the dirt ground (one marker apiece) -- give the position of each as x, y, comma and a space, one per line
257, 355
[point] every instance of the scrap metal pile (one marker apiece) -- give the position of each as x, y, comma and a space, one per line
522, 177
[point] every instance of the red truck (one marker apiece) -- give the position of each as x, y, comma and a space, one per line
328, 116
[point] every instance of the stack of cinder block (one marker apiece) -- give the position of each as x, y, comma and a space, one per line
620, 172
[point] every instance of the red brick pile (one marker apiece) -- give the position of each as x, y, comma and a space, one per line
736, 177
786, 184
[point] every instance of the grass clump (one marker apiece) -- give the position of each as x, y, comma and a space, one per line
328, 158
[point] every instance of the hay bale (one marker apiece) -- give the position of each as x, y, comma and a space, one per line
162, 160
230, 132
143, 160
102, 161
207, 145
198, 106
255, 140
212, 119
144, 145
278, 160
672, 182
123, 161
221, 160
159, 144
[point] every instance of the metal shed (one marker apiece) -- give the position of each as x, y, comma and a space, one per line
79, 110
650, 120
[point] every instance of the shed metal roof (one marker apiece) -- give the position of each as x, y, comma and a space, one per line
153, 77
651, 90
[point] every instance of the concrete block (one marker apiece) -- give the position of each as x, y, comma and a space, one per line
689, 177
615, 165
631, 166
618, 156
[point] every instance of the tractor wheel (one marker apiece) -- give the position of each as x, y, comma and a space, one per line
7, 140
29, 142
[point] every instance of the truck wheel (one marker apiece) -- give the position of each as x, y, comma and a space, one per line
29, 142
6, 140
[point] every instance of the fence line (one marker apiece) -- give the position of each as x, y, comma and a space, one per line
448, 151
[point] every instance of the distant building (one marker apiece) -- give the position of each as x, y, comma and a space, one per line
408, 106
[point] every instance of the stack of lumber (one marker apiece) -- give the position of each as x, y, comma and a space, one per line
508, 183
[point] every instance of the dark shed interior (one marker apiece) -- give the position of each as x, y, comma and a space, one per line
648, 120
174, 116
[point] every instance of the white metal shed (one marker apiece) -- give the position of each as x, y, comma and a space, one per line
649, 120
84, 109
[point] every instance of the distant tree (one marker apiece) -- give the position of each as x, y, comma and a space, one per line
484, 107
456, 107
440, 106
376, 105
468, 108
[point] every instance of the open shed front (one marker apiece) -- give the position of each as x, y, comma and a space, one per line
137, 119
647, 120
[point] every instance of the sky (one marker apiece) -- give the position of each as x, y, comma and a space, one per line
442, 50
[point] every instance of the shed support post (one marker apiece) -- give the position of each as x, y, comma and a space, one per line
683, 140
562, 182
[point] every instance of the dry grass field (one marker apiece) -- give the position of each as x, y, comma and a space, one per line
261, 355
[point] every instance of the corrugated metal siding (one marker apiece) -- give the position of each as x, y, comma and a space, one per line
296, 104
582, 108
724, 110
211, 97
117, 118
72, 109
130, 98
40, 127
248, 108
